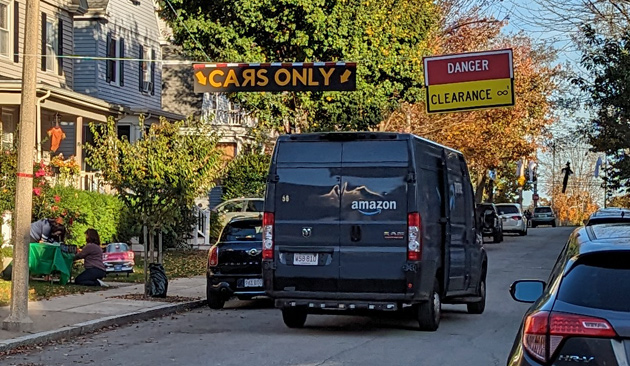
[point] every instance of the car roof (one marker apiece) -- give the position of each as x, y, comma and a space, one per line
601, 238
611, 214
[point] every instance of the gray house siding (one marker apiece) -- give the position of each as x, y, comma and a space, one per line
85, 35
137, 26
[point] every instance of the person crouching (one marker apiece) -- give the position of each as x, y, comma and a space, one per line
92, 254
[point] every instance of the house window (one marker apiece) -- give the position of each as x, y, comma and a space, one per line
112, 55
51, 46
4, 29
147, 70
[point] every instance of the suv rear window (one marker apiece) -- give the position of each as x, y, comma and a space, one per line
542, 210
507, 210
242, 230
599, 281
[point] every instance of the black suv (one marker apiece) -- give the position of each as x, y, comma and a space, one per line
234, 263
581, 315
489, 221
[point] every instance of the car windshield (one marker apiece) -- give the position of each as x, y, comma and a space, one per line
504, 210
242, 230
542, 210
117, 248
599, 281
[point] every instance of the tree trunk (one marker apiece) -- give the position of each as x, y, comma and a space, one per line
481, 185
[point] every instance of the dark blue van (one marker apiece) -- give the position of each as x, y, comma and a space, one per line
359, 222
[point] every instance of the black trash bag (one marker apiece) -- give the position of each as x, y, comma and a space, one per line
8, 272
158, 282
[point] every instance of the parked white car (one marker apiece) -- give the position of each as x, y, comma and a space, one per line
512, 218
245, 207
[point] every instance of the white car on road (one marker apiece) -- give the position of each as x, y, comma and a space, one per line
512, 218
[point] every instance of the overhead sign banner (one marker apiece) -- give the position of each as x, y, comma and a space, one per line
468, 81
275, 77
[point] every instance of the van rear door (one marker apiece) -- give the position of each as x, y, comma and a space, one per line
373, 226
306, 201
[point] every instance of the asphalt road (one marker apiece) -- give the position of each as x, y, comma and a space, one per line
252, 332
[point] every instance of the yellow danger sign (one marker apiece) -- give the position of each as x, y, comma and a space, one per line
470, 95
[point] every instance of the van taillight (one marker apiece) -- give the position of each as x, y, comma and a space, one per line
268, 222
414, 237
544, 331
213, 257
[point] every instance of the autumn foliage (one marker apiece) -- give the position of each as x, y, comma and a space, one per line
488, 138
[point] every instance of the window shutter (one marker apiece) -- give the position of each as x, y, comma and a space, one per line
60, 47
43, 41
121, 62
140, 70
108, 68
16, 31
152, 72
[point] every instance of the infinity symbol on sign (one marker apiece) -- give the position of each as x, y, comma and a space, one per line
502, 92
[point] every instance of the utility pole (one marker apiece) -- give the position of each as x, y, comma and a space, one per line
18, 319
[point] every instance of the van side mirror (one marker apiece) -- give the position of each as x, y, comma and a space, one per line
527, 290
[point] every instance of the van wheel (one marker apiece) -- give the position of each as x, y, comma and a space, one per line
497, 237
523, 233
294, 318
429, 312
479, 306
215, 301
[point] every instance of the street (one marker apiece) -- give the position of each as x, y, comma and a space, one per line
252, 332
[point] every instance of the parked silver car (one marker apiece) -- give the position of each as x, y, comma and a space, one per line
512, 218
245, 207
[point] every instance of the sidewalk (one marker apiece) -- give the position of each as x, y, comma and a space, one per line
72, 315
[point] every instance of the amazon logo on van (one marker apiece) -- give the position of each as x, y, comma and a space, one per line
370, 208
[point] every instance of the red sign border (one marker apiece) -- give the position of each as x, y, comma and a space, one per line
426, 59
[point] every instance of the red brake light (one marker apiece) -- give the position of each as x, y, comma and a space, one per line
414, 237
213, 257
544, 327
516, 218
268, 223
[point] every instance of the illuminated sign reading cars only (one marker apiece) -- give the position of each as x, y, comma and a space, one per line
314, 76
468, 81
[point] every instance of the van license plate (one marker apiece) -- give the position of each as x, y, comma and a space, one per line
303, 259
253, 282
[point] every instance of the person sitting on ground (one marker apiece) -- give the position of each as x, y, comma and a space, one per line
92, 254
46, 230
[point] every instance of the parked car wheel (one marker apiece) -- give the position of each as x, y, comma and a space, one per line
294, 318
215, 301
429, 312
479, 306
523, 233
533, 225
553, 224
497, 237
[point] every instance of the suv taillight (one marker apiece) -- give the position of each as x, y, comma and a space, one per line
544, 331
268, 222
213, 257
414, 237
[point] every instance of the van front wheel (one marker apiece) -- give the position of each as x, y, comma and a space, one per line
429, 312
479, 306
294, 318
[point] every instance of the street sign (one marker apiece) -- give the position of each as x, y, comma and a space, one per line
535, 197
468, 81
275, 77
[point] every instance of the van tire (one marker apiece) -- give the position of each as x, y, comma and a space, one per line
497, 237
479, 306
294, 318
429, 312
215, 301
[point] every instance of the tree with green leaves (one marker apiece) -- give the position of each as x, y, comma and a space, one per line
388, 39
246, 176
158, 175
607, 61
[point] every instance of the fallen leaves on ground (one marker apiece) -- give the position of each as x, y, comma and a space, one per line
160, 299
43, 290
177, 263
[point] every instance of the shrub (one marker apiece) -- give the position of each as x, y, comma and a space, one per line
82, 210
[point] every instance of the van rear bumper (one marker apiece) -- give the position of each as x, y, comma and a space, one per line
363, 296
324, 306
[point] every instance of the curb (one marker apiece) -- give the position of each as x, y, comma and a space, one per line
94, 325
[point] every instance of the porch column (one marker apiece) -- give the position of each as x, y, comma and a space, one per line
79, 141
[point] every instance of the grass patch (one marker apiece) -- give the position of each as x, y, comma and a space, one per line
178, 264
40, 290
